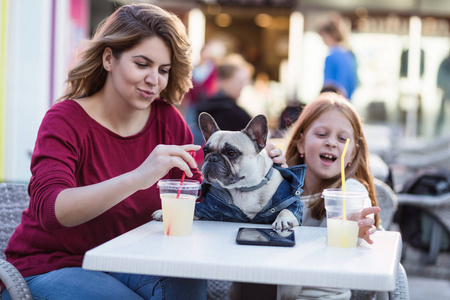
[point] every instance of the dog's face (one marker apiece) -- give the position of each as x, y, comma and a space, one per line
232, 158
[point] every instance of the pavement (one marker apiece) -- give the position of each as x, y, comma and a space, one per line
421, 288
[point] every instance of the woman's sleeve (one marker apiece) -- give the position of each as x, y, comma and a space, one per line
53, 167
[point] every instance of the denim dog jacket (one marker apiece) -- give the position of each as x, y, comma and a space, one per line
217, 204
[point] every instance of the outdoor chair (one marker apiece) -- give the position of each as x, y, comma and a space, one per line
423, 218
13, 200
425, 227
401, 291
422, 153
387, 200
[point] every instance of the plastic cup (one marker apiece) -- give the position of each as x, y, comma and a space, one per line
343, 232
178, 210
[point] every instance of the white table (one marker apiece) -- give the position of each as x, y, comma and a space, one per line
212, 253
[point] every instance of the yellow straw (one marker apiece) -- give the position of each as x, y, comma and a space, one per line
344, 217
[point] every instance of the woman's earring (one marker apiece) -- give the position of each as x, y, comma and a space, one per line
301, 155
349, 164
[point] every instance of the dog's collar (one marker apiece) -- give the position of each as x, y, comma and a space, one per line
255, 187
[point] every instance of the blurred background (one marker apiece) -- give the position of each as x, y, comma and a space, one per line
39, 39
400, 48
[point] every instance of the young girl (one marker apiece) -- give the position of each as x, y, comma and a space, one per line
318, 140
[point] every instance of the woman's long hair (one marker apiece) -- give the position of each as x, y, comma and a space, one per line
123, 30
359, 169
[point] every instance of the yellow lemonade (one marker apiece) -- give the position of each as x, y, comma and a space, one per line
178, 214
342, 233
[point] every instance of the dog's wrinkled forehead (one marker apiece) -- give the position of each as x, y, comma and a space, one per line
224, 139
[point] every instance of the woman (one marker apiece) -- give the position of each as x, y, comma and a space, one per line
99, 152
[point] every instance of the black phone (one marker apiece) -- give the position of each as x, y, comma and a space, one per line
265, 237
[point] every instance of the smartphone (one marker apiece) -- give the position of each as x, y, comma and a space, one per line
265, 237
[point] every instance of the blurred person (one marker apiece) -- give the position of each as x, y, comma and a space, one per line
340, 68
204, 75
234, 73
288, 117
204, 80
443, 83
330, 88
99, 151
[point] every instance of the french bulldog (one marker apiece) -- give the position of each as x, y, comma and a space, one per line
238, 162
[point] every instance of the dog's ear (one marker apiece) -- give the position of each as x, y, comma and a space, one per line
207, 125
257, 130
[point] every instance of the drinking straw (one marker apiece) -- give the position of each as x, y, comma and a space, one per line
344, 217
183, 176
168, 229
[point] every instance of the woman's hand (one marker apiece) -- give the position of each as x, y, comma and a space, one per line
276, 154
366, 224
162, 159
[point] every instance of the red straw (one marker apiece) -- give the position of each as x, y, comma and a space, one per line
168, 229
192, 153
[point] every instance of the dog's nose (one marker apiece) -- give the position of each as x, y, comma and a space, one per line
214, 158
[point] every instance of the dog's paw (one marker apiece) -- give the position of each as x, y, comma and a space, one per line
285, 220
282, 225
157, 215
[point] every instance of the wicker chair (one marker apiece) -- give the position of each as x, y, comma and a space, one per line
387, 200
13, 200
401, 291
433, 263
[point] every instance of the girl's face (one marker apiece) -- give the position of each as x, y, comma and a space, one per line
322, 146
141, 73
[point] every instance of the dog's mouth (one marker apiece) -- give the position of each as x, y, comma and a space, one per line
328, 158
220, 173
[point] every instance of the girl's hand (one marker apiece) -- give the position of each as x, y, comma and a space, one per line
161, 160
276, 154
366, 224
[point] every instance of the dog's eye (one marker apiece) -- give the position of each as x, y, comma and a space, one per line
205, 151
231, 153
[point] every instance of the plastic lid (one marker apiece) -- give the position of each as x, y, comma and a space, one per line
174, 184
348, 194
